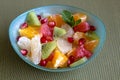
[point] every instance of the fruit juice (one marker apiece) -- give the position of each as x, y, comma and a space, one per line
58, 40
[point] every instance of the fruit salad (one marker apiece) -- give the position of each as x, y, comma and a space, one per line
57, 40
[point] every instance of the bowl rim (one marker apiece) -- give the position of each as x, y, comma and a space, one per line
62, 69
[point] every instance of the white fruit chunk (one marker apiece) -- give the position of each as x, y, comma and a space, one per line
68, 29
35, 49
44, 15
63, 45
24, 43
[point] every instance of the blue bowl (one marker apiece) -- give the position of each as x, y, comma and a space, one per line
52, 9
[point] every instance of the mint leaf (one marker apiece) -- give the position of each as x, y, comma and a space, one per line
68, 18
77, 22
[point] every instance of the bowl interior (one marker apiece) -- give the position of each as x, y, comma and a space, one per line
53, 9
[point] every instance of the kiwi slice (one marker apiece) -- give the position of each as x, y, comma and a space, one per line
81, 61
58, 32
92, 35
48, 48
32, 19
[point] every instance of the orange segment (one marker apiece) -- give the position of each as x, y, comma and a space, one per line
91, 45
59, 59
58, 19
81, 16
71, 52
29, 31
77, 36
50, 65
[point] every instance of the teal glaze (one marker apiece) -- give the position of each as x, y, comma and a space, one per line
92, 19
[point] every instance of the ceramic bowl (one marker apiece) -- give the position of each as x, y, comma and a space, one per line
53, 9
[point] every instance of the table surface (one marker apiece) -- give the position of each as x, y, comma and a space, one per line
106, 66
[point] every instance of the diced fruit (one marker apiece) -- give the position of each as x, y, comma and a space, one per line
82, 41
77, 36
39, 17
81, 61
81, 16
18, 37
58, 19
36, 48
24, 25
29, 32
92, 35
88, 54
71, 60
46, 15
79, 52
32, 19
24, 43
47, 49
58, 32
91, 45
50, 57
51, 24
44, 20
82, 27
43, 40
69, 30
43, 63
92, 28
50, 65
63, 45
45, 30
71, 52
24, 52
70, 39
59, 59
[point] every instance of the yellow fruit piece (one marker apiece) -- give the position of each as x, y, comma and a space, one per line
50, 65
71, 52
29, 31
91, 45
58, 19
81, 16
59, 59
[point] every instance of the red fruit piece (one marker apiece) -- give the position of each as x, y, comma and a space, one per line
51, 24
82, 27
43, 40
82, 41
50, 57
24, 52
24, 25
45, 30
80, 52
70, 39
39, 17
44, 20
18, 37
87, 53
71, 60
92, 28
43, 63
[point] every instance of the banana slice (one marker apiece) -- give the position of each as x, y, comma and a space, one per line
63, 45
35, 49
